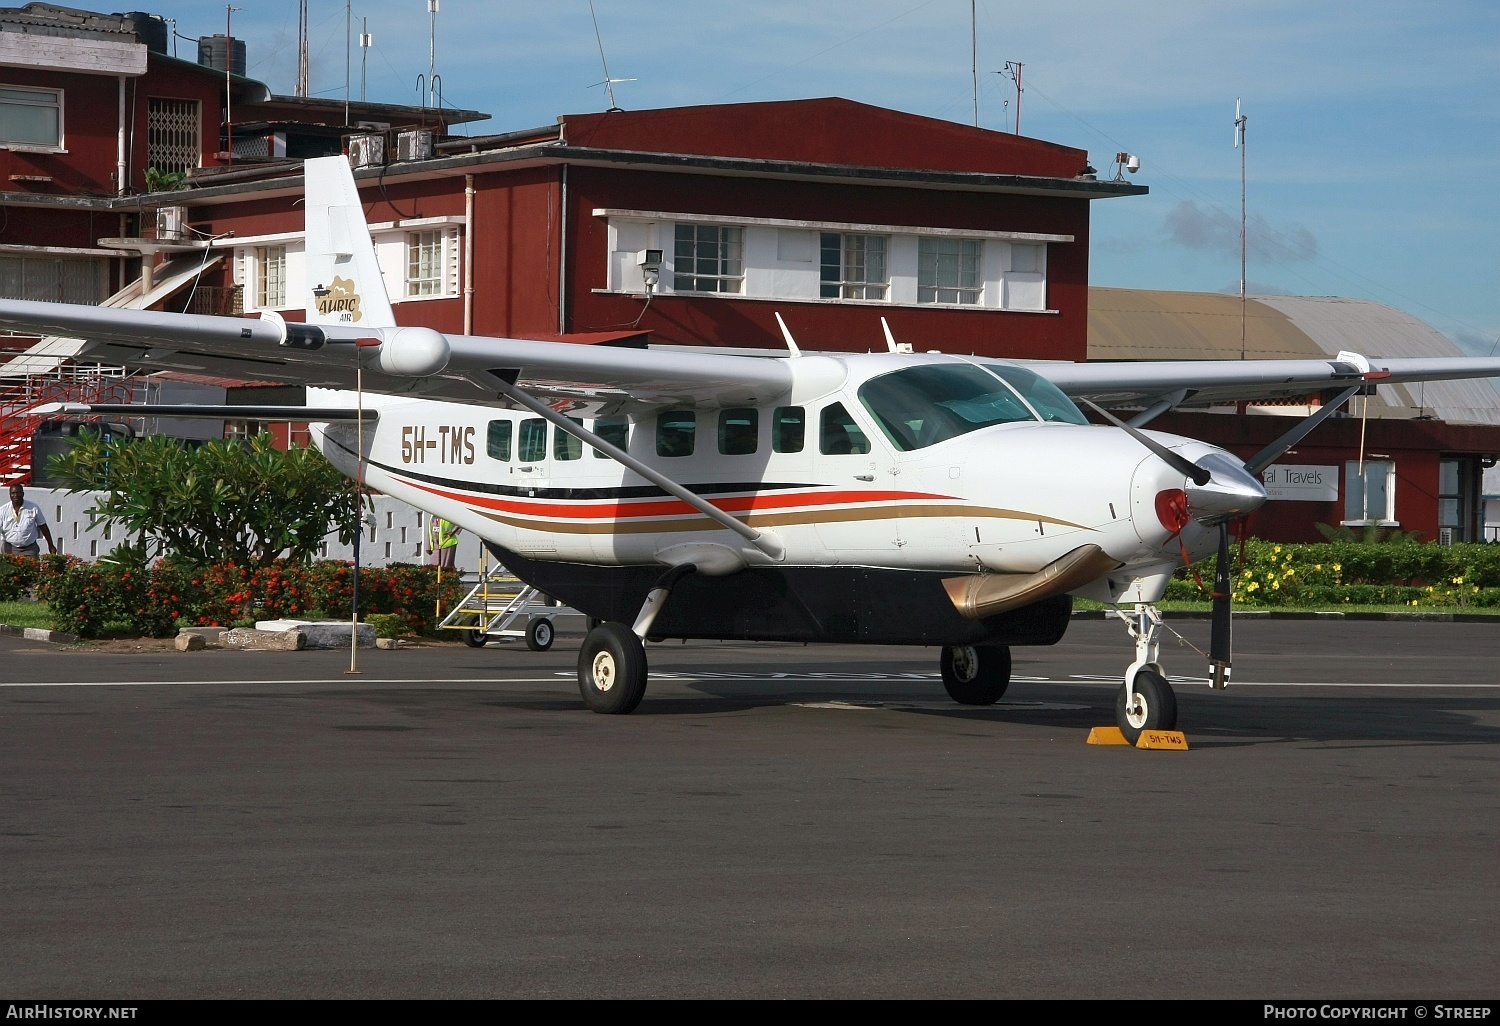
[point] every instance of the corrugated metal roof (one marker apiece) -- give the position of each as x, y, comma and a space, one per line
1148, 324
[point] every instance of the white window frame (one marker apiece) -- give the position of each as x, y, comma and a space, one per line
730, 283
441, 281
858, 253
1387, 517
30, 147
936, 292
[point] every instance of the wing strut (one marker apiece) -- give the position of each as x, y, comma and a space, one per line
765, 542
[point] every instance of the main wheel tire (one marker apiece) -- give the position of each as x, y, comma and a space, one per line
1150, 705
976, 675
539, 634
475, 638
612, 669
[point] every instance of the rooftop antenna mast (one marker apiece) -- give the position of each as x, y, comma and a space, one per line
1013, 71
1239, 144
348, 54
432, 13
608, 83
302, 48
974, 57
365, 42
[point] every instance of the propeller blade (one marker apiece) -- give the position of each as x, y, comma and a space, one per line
1178, 462
1271, 453
1220, 642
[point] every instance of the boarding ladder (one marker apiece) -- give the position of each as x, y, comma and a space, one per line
500, 606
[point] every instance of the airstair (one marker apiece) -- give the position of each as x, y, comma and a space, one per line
501, 607
20, 396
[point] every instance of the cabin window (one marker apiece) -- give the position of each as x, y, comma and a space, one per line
1044, 397
738, 428
708, 258
676, 430
838, 435
532, 443
30, 117
788, 429
853, 267
497, 440
921, 406
566, 446
615, 431
948, 271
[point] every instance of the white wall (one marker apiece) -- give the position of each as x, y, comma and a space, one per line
394, 537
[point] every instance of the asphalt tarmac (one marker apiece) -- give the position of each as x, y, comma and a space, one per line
774, 821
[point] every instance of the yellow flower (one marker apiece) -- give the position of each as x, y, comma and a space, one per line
1337, 567
1275, 585
1458, 580
1317, 566
1289, 572
1278, 548
1254, 585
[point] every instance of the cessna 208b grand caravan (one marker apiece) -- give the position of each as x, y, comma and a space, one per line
894, 498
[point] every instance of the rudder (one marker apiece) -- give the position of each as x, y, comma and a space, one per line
343, 276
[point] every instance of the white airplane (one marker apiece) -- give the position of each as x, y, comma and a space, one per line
890, 498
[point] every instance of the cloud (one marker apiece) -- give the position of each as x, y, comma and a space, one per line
1213, 231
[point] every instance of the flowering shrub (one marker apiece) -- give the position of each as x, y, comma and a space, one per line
17, 573
154, 598
1339, 573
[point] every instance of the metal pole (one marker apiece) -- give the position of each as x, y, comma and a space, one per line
228, 92
359, 504
348, 59
1239, 142
974, 57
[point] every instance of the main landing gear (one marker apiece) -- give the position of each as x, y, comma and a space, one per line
976, 675
1146, 700
612, 665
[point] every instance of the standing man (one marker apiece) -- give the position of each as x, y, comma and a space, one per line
20, 523
442, 542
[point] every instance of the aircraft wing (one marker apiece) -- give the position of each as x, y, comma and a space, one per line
1211, 382
415, 361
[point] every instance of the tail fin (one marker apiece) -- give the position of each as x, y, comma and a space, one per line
343, 275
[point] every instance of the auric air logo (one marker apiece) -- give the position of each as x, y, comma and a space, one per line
341, 302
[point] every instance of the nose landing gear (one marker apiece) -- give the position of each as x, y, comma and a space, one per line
1146, 700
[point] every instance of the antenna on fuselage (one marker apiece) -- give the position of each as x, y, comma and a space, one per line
786, 333
890, 340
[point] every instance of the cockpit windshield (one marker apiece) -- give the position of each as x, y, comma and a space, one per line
1046, 398
921, 406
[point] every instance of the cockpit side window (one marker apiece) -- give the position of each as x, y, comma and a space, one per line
921, 406
1049, 401
839, 435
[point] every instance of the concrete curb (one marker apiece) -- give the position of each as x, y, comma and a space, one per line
1302, 614
38, 634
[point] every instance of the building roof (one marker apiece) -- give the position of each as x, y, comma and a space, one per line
1148, 324
826, 130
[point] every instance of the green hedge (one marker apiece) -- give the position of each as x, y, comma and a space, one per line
156, 599
1339, 573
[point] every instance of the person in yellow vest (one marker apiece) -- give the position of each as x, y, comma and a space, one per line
442, 541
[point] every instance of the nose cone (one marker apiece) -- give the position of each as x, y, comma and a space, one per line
1231, 492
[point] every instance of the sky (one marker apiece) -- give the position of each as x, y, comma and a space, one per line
1373, 134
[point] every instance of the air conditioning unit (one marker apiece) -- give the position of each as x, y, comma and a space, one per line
171, 224
414, 144
366, 150
1445, 535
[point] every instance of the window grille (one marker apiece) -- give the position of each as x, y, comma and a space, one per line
174, 138
49, 279
30, 117
948, 271
708, 258
853, 267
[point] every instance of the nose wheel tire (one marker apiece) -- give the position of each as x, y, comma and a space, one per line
539, 634
975, 675
1148, 704
612, 669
